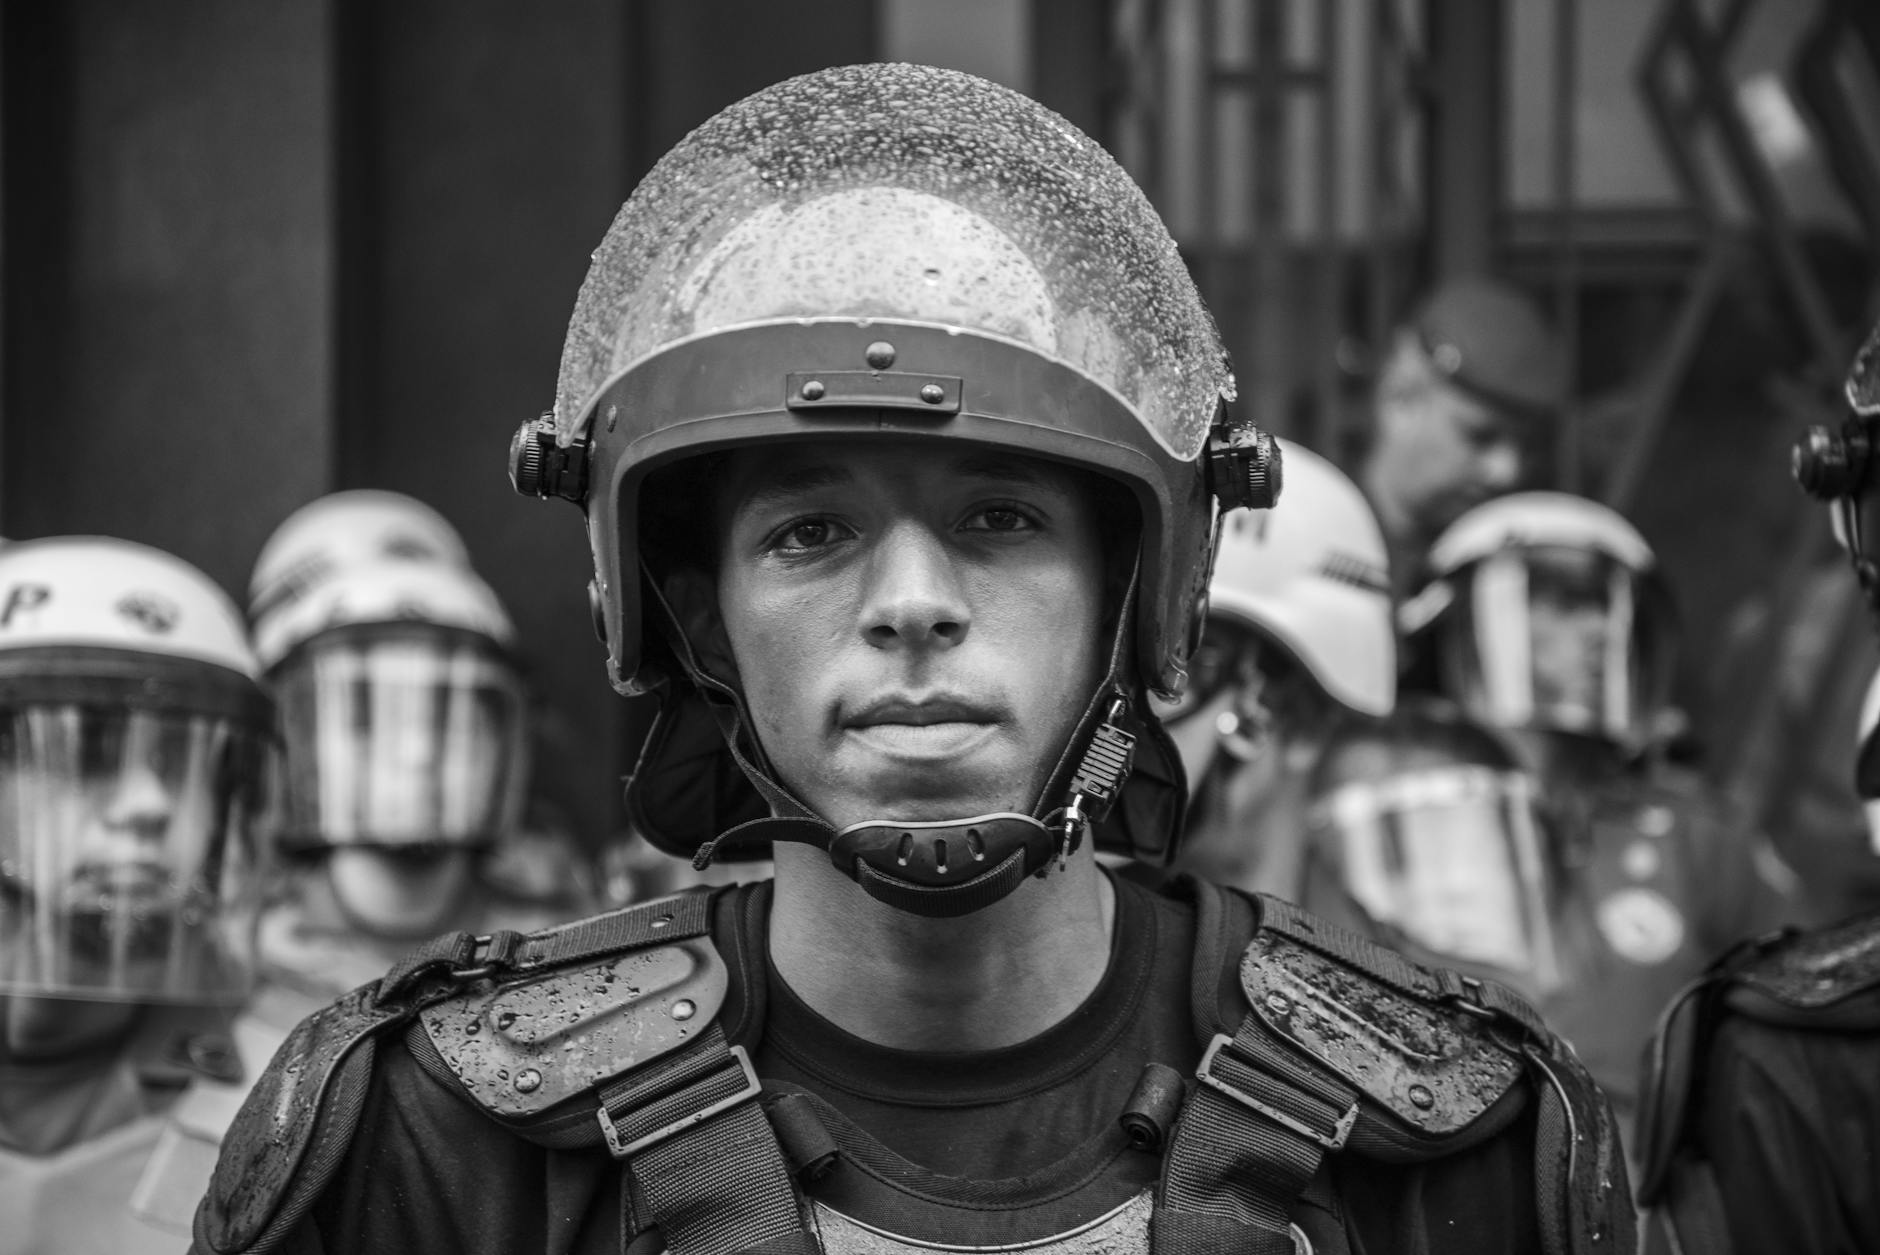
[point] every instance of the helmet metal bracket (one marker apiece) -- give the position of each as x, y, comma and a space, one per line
1242, 464
539, 466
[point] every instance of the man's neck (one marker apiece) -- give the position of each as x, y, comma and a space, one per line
993, 978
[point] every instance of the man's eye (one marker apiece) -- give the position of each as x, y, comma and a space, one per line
806, 534
999, 519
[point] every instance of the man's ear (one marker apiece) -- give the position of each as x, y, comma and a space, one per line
693, 596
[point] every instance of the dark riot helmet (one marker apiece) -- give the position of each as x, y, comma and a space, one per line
1838, 466
904, 252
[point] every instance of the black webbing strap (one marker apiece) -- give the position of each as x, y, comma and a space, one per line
462, 956
702, 1153
1487, 998
1249, 1141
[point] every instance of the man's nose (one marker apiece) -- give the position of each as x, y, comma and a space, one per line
140, 804
915, 598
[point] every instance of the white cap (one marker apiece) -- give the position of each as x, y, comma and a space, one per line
101, 592
1313, 574
1536, 520
343, 528
384, 592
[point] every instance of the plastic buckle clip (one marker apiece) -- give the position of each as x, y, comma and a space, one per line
1333, 1141
497, 950
622, 1148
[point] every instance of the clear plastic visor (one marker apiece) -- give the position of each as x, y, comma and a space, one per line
1561, 640
401, 736
127, 853
1453, 859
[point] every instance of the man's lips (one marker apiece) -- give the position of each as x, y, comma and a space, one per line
931, 728
920, 712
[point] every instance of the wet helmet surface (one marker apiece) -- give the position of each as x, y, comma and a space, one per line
881, 251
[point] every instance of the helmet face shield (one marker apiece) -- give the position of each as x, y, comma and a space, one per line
400, 735
1558, 639
1453, 858
127, 852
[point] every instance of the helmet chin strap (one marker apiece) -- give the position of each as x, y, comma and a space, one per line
952, 867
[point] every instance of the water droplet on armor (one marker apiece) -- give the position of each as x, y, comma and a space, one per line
684, 1009
1421, 1098
528, 1081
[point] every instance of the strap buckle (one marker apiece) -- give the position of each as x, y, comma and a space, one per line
622, 1148
1333, 1141
498, 951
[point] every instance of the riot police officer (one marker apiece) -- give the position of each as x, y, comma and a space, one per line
1465, 403
135, 744
1299, 638
1763, 1081
1550, 620
901, 432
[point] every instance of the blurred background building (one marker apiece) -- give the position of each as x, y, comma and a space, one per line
253, 253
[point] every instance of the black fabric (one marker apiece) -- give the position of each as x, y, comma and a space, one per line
1790, 1126
1005, 1113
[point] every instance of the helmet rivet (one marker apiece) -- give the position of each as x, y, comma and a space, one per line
1277, 1004
1421, 1098
528, 1081
684, 1009
880, 355
933, 393
813, 390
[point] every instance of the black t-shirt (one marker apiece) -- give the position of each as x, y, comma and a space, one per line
996, 1148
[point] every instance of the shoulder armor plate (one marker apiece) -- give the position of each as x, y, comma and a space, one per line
263, 1152
1816, 970
521, 1045
1435, 1068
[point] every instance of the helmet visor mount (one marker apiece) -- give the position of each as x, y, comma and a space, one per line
1453, 858
126, 857
400, 736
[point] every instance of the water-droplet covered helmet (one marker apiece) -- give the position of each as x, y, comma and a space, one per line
883, 251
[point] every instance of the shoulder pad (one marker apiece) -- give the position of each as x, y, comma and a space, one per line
522, 1045
1390, 1028
1815, 976
312, 1087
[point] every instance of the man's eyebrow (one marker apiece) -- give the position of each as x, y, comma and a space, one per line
797, 479
1020, 472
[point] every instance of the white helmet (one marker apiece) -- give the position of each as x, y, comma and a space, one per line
1547, 611
135, 752
403, 713
1313, 574
340, 529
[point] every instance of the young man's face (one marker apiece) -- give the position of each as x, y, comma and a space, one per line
1445, 452
916, 630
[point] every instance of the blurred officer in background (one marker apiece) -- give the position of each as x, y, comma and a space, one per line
1550, 620
1431, 827
405, 746
1299, 637
900, 433
1464, 403
404, 725
1762, 1125
135, 747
